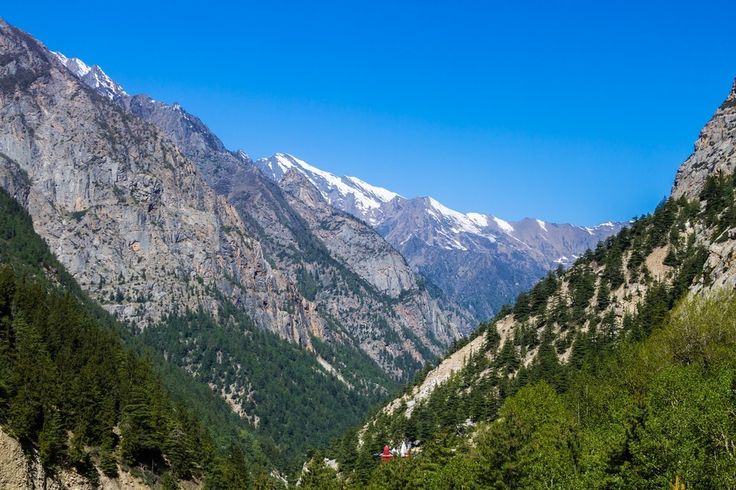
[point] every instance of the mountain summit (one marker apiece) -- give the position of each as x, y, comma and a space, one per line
461, 253
93, 76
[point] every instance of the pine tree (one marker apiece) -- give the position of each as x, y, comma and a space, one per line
318, 476
52, 439
604, 296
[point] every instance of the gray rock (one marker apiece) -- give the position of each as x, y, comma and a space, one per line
124, 210
714, 152
356, 282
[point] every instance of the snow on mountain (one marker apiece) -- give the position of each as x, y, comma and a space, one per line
479, 260
503, 225
451, 228
349, 194
459, 223
383, 194
93, 76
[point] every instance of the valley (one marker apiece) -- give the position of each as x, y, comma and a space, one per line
177, 314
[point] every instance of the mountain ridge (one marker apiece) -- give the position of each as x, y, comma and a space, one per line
459, 252
204, 148
432, 255
137, 225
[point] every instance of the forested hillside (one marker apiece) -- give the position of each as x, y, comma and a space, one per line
278, 390
617, 373
645, 414
76, 398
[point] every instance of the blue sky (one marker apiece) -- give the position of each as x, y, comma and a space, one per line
567, 111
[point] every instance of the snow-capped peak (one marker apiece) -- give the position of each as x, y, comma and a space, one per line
92, 76
75, 65
347, 193
384, 194
283, 162
504, 225
425, 219
369, 202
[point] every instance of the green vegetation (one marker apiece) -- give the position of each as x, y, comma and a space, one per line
645, 415
290, 400
587, 392
70, 389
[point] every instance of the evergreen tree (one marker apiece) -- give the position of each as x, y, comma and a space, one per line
52, 439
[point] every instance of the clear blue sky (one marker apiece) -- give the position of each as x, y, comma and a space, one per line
568, 111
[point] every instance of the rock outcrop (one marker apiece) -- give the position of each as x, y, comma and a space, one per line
356, 282
714, 152
124, 210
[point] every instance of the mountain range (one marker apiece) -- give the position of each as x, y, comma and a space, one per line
461, 253
296, 297
458, 252
313, 267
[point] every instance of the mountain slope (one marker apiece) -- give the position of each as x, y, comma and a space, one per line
77, 408
364, 286
124, 210
138, 227
463, 254
585, 334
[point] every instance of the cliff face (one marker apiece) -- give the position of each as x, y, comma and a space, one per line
714, 152
125, 211
393, 290
153, 215
349, 240
362, 290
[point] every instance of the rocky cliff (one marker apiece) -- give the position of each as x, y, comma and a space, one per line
351, 286
714, 152
126, 212
355, 281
